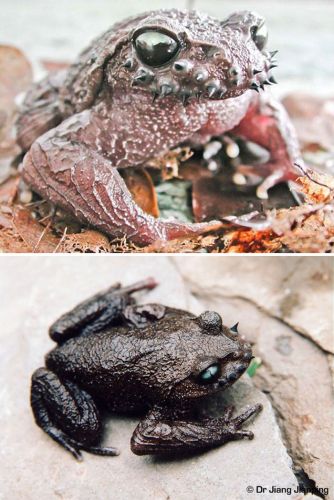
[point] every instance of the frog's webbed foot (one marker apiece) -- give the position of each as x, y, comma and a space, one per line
84, 182
233, 426
161, 432
271, 173
96, 313
266, 123
67, 414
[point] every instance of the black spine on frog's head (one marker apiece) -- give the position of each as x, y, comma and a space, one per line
211, 322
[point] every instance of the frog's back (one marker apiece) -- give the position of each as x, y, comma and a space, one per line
114, 365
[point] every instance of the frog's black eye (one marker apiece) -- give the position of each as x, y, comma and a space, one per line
209, 375
260, 35
155, 48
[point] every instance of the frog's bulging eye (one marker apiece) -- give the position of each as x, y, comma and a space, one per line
210, 374
155, 48
260, 35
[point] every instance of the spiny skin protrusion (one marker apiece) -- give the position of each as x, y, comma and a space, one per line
272, 79
212, 87
201, 75
142, 77
182, 66
257, 71
234, 71
254, 86
129, 63
155, 96
166, 89
234, 328
185, 95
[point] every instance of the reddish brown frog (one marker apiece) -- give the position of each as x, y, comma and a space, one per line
145, 86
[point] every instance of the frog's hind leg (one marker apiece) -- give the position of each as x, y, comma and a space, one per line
67, 414
84, 182
96, 313
162, 432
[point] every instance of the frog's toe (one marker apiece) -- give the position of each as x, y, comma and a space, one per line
174, 230
99, 450
269, 182
244, 434
248, 413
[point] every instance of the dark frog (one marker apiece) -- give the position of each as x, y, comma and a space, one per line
148, 84
116, 356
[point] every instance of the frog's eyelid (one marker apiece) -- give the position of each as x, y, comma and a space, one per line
160, 29
198, 370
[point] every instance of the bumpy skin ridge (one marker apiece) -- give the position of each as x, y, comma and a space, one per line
111, 110
151, 359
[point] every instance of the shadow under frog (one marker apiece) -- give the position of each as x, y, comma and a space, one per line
116, 356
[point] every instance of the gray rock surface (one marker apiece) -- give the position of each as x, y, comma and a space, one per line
284, 288
34, 291
272, 298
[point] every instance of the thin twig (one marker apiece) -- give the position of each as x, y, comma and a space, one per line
305, 172
61, 240
41, 237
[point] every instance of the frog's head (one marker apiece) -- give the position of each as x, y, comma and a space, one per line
216, 356
192, 55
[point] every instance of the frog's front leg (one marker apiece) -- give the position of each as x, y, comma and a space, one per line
163, 432
67, 414
80, 179
97, 312
267, 124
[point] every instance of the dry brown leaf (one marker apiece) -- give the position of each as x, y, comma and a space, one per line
169, 162
15, 71
8, 190
140, 184
184, 245
52, 66
313, 233
313, 118
86, 242
317, 187
6, 221
37, 237
10, 242
249, 241
15, 77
